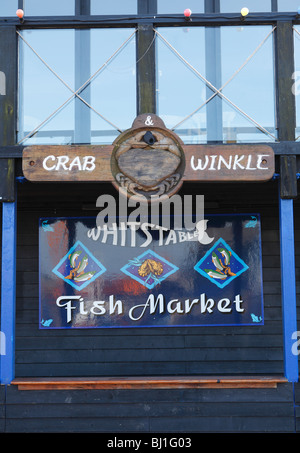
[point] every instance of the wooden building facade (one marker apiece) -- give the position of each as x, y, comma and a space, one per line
163, 379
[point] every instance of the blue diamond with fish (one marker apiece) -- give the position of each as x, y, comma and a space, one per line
149, 269
79, 267
221, 265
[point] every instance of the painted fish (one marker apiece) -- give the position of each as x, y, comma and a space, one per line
82, 265
46, 323
214, 274
226, 254
84, 277
255, 318
252, 223
217, 262
47, 227
73, 257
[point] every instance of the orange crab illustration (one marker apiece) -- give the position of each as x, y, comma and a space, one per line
150, 266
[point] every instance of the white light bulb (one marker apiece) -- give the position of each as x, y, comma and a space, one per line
244, 11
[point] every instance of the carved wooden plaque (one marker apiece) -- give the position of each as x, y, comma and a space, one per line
150, 160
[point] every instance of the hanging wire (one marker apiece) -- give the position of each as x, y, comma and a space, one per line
74, 93
217, 92
148, 48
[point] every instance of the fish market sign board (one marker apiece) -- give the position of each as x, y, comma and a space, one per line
94, 278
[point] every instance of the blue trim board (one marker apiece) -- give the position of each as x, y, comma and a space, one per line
8, 291
288, 287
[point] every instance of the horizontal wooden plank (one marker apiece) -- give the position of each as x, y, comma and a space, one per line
69, 355
97, 409
282, 394
30, 328
92, 163
83, 425
231, 424
145, 341
147, 382
225, 368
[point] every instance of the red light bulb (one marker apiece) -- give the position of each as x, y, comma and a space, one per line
20, 13
187, 12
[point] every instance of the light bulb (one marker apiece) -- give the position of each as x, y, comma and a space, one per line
244, 12
20, 13
187, 12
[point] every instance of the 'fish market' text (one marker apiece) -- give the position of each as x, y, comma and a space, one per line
77, 305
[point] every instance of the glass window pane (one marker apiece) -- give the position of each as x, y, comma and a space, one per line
41, 92
178, 99
252, 88
8, 8
49, 8
113, 90
99, 7
104, 75
234, 6
237, 59
178, 6
288, 5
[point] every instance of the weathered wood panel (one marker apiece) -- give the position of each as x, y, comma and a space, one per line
151, 411
286, 114
203, 163
8, 107
178, 382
